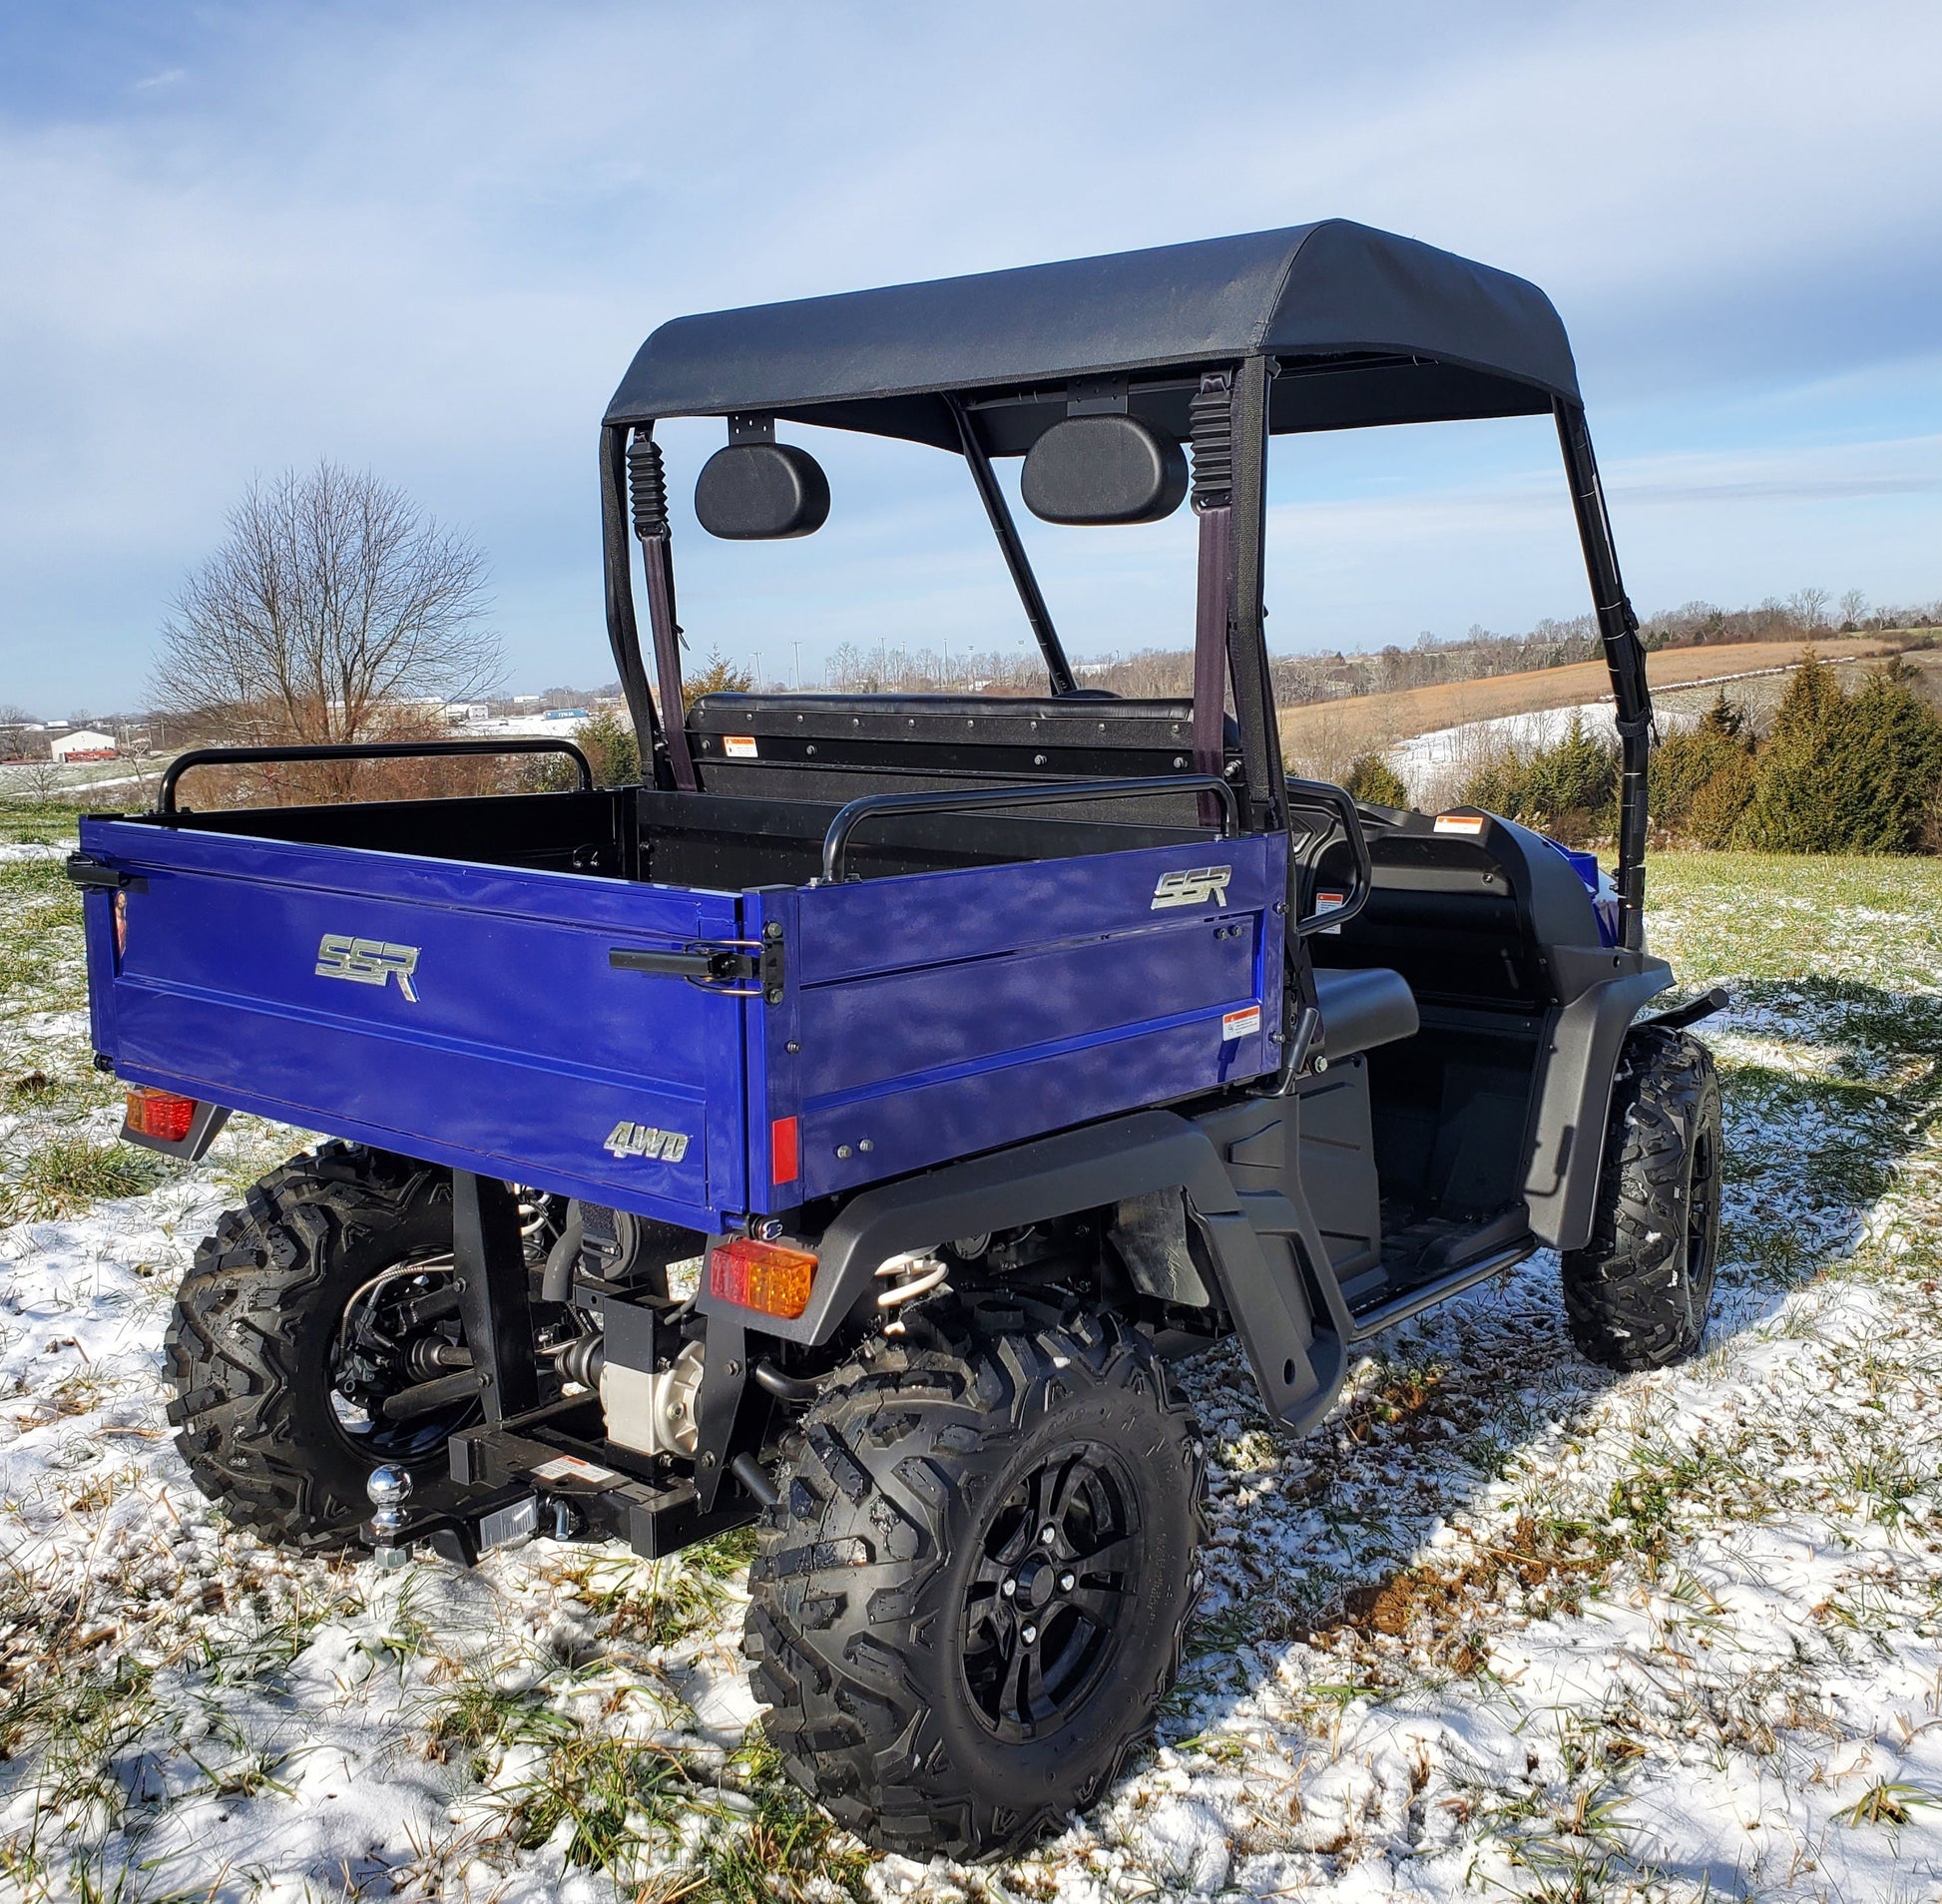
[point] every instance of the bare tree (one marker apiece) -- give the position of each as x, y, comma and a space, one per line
332, 599
1854, 605
14, 722
39, 780
1810, 608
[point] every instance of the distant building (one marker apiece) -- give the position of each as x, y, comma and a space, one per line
83, 743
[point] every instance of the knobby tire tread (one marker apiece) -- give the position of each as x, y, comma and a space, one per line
241, 1344
1627, 1299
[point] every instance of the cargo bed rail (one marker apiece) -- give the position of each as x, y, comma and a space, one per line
835, 843
364, 750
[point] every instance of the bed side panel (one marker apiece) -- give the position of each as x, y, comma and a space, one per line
941, 1015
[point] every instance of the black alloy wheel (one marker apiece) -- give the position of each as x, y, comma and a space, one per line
1058, 1567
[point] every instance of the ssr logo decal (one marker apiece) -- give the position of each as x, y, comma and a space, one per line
367, 961
643, 1140
1197, 888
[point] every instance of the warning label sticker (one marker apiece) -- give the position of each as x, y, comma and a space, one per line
738, 747
1241, 1024
1329, 902
1471, 824
572, 1468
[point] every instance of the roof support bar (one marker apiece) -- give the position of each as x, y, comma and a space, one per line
1006, 530
648, 487
1211, 426
1260, 739
623, 632
1624, 656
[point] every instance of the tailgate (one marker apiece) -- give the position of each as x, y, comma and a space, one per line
464, 1014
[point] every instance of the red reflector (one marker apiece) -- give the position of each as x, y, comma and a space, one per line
759, 1276
159, 1113
784, 1158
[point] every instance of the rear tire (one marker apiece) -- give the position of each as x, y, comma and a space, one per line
929, 1709
255, 1344
1640, 1293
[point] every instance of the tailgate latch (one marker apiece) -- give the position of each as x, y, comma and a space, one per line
96, 875
732, 968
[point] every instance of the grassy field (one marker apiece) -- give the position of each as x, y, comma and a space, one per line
1505, 1625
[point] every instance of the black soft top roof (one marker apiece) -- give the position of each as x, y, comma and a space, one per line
1368, 328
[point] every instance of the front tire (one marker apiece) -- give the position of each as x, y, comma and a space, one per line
973, 1595
259, 1350
1640, 1293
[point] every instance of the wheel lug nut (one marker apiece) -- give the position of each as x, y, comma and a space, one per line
1009, 1589
1047, 1535
1067, 1582
1029, 1634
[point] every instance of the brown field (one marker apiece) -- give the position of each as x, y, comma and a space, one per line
1325, 736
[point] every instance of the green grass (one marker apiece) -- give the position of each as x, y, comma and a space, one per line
41, 964
646, 1602
37, 822
1783, 916
65, 1174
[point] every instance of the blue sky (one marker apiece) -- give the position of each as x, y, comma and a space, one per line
426, 239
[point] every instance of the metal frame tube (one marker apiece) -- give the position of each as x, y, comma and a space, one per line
1260, 740
1003, 526
623, 631
1625, 656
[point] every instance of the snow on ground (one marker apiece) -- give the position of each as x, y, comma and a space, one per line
1425, 756
1504, 1625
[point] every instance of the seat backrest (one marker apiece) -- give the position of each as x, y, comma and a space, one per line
837, 746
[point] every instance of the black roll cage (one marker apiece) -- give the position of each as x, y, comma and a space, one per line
1231, 649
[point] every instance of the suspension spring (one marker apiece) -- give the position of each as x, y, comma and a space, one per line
920, 1273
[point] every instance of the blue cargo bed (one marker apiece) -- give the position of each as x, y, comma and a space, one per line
475, 1015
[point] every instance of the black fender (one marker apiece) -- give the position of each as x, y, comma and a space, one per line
1058, 1176
1574, 1094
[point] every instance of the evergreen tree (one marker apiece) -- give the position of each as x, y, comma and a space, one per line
1724, 717
1373, 780
1576, 778
1686, 763
1793, 808
1885, 766
1846, 774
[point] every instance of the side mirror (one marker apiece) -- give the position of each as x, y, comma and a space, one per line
762, 492
1101, 469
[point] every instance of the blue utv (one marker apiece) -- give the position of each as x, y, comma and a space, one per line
986, 1051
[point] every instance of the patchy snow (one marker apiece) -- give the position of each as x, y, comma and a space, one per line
1425, 754
1505, 1624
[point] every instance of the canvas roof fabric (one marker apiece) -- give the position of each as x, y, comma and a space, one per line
1367, 327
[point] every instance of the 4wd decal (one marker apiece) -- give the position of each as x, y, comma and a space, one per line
1192, 888
367, 961
643, 1140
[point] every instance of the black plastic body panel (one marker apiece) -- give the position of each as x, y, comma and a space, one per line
1574, 1098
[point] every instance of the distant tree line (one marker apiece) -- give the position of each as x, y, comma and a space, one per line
1427, 662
